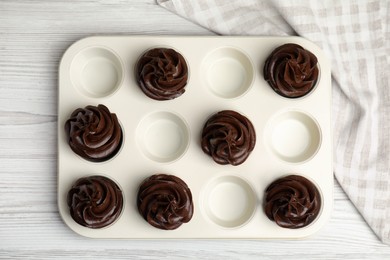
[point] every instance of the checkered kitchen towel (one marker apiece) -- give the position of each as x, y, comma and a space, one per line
356, 37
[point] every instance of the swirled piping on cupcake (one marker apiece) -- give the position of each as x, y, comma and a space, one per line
291, 70
228, 137
292, 202
165, 201
94, 133
95, 201
162, 73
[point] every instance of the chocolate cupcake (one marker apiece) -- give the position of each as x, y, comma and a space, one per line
162, 73
94, 133
291, 70
165, 201
95, 201
292, 202
228, 137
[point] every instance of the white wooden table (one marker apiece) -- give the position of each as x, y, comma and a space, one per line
33, 37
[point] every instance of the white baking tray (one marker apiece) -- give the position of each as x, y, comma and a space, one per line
228, 200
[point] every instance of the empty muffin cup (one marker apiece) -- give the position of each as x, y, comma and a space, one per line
163, 136
229, 201
228, 72
96, 72
293, 136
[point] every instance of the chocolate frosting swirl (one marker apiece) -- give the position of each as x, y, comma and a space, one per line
228, 137
95, 201
292, 202
94, 133
165, 201
291, 71
162, 73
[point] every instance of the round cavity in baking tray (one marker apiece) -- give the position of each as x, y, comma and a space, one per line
229, 201
163, 136
293, 136
96, 72
228, 72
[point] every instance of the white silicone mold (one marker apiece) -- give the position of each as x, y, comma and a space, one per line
286, 128
96, 72
162, 136
228, 72
293, 135
229, 201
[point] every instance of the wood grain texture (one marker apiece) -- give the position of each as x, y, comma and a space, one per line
33, 37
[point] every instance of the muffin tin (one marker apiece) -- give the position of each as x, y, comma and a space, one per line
293, 135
